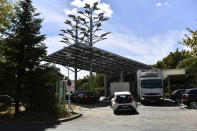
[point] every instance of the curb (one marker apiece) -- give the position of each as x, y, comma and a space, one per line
57, 121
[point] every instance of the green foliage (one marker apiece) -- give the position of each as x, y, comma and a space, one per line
83, 83
21, 74
6, 12
183, 59
6, 79
167, 95
61, 111
98, 80
23, 48
172, 60
40, 87
190, 65
190, 40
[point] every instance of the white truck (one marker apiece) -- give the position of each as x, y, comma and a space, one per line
150, 85
119, 87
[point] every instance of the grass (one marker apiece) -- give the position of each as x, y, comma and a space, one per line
72, 106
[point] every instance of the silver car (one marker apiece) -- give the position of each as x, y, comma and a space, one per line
123, 101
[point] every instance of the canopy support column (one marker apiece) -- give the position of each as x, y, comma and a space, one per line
105, 85
121, 75
76, 88
169, 88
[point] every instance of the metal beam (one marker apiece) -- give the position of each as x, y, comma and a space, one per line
105, 85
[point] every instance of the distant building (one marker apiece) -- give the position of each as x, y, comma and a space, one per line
178, 79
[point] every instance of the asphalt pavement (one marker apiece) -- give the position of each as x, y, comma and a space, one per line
152, 117
100, 117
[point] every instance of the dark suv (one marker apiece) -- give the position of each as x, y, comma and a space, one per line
5, 99
177, 95
190, 96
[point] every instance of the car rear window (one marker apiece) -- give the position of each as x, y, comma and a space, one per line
180, 91
124, 98
193, 92
187, 91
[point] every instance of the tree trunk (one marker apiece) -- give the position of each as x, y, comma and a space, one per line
20, 72
17, 98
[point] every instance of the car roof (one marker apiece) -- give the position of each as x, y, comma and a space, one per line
122, 93
192, 89
151, 78
181, 90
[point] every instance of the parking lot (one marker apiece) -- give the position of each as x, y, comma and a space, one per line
152, 117
100, 117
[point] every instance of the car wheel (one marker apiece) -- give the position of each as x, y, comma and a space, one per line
142, 102
188, 104
115, 112
193, 105
161, 102
178, 100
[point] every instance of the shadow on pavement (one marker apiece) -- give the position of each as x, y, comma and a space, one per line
167, 103
127, 113
19, 126
102, 103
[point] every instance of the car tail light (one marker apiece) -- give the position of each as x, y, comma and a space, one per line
131, 97
85, 96
172, 94
115, 99
186, 96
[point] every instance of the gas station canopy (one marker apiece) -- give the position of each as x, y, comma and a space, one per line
79, 56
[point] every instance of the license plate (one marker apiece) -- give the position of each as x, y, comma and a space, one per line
124, 106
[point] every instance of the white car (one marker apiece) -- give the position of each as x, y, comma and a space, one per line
123, 101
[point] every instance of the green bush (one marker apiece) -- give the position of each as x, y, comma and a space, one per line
40, 89
167, 95
61, 111
100, 90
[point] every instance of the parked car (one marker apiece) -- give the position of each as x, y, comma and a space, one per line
123, 101
86, 97
177, 95
6, 99
5, 102
190, 97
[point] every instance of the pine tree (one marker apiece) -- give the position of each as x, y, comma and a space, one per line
23, 46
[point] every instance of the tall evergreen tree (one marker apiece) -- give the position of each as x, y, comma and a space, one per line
23, 46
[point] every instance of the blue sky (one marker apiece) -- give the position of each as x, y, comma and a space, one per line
143, 30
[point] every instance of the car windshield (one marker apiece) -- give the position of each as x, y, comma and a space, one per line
151, 83
187, 91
